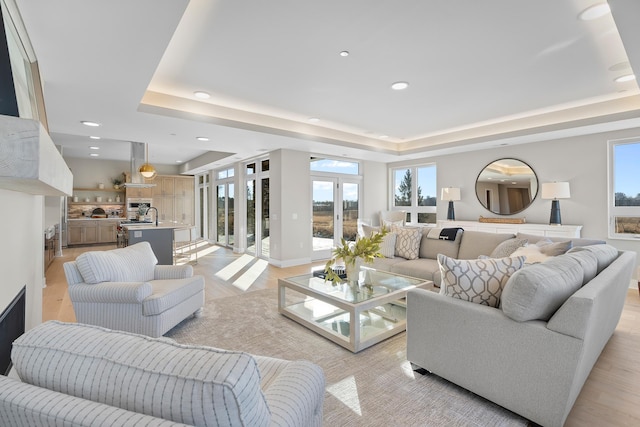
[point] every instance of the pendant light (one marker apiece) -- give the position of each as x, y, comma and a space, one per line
147, 170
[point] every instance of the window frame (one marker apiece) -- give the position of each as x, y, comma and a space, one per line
413, 209
613, 210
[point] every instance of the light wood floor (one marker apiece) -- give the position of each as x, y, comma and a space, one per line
610, 397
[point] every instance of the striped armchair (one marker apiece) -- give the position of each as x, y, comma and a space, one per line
81, 375
125, 289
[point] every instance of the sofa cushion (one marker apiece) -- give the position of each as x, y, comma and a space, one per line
589, 263
480, 280
422, 268
605, 254
188, 384
507, 247
475, 243
135, 263
576, 241
430, 247
169, 293
537, 291
407, 241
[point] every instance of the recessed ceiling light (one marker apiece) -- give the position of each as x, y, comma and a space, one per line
594, 12
202, 138
384, 136
88, 123
94, 154
314, 120
625, 78
93, 147
399, 85
94, 137
178, 161
201, 94
344, 53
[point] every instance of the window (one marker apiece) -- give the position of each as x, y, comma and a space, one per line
334, 166
414, 190
624, 189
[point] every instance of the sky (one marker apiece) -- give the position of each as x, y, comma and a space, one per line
626, 176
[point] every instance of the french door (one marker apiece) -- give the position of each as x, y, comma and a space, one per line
335, 213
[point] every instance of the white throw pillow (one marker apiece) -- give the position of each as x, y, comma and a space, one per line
193, 385
532, 254
388, 245
135, 263
480, 280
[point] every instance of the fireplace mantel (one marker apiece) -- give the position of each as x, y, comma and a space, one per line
29, 160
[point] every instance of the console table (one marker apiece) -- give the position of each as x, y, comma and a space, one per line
547, 230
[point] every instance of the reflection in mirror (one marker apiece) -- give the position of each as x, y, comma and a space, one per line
506, 186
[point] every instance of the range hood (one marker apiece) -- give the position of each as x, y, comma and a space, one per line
137, 160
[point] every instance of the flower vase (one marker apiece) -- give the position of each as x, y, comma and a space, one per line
353, 271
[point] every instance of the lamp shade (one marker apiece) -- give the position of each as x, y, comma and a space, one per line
555, 190
450, 193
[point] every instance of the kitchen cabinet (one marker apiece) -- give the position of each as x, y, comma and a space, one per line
107, 231
139, 192
174, 198
82, 232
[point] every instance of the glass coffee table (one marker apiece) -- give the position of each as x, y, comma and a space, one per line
353, 315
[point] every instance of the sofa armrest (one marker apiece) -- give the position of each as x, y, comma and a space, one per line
172, 272
110, 292
296, 396
26, 404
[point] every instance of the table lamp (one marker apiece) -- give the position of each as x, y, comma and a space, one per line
451, 194
555, 191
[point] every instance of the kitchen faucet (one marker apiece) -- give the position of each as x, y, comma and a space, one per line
155, 209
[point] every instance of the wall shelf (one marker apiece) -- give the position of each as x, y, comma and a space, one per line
111, 190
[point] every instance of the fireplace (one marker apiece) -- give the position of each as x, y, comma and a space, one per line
12, 324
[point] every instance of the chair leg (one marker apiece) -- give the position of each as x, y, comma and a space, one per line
199, 312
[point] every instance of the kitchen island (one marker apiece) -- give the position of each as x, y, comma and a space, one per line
160, 237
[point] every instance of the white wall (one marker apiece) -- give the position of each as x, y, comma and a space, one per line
375, 190
290, 207
21, 254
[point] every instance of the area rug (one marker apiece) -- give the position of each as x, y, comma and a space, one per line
375, 387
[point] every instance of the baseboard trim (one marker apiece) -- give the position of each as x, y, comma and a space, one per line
289, 262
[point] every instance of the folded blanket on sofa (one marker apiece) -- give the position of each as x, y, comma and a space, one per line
444, 233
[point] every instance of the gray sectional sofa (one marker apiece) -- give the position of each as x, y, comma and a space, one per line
467, 245
534, 351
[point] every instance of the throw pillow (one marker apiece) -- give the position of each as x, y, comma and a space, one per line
536, 292
480, 281
135, 263
391, 224
388, 245
407, 241
188, 384
368, 230
507, 247
531, 253
547, 247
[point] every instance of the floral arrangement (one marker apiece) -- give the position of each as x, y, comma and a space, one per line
364, 248
117, 181
142, 209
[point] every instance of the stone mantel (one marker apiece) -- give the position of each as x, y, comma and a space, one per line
569, 231
29, 160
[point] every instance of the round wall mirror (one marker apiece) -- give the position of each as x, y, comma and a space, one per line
506, 186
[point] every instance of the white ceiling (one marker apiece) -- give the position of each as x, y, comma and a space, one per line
480, 73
